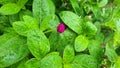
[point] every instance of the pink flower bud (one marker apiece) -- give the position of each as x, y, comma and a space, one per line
61, 28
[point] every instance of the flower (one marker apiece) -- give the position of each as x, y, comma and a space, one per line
61, 28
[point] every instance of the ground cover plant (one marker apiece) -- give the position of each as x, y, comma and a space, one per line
59, 33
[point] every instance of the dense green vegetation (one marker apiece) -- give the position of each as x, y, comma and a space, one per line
59, 33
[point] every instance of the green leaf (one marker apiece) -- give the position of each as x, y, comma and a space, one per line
13, 18
117, 23
66, 38
117, 63
116, 12
68, 66
96, 50
91, 29
110, 52
99, 35
7, 1
117, 2
86, 7
19, 64
84, 61
114, 25
54, 39
23, 13
21, 3
4, 19
81, 43
9, 9
42, 9
38, 43
98, 26
76, 7
13, 48
23, 27
32, 63
114, 22
50, 22
116, 39
103, 3
68, 54
72, 20
53, 53
96, 13
51, 61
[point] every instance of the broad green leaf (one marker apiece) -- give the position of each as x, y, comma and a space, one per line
54, 39
117, 24
33, 63
13, 18
84, 61
23, 27
96, 50
9, 9
68, 54
76, 65
96, 13
42, 9
68, 66
110, 52
114, 25
103, 3
53, 53
99, 35
91, 29
69, 36
51, 61
111, 24
117, 63
81, 43
38, 43
109, 36
4, 19
50, 22
13, 48
21, 3
107, 13
117, 2
72, 20
76, 7
87, 8
8, 30
7, 1
4, 23
19, 64
23, 13
66, 38
114, 22
98, 26
1, 29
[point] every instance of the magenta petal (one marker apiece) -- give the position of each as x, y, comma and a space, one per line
61, 28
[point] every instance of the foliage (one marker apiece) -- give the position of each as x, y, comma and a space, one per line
31, 34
